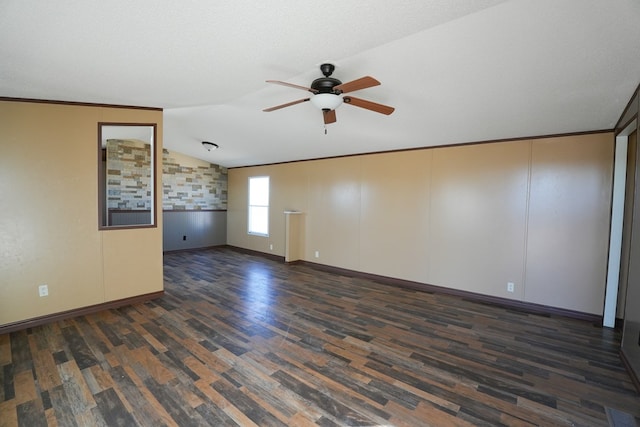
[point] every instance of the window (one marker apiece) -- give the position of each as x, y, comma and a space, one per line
259, 205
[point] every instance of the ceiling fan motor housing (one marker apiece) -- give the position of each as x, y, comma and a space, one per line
325, 84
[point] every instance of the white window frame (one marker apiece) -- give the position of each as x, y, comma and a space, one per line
260, 205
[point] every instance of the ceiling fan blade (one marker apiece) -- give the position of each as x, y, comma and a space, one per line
329, 116
361, 83
288, 104
369, 105
278, 82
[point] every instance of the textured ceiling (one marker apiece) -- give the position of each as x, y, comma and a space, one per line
455, 70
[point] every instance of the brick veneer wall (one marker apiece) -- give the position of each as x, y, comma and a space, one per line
128, 175
192, 184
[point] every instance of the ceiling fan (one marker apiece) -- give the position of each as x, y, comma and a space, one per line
328, 93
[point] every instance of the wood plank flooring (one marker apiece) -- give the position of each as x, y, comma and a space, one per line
242, 340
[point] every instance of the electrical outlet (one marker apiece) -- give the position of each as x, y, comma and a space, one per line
43, 290
270, 247
317, 254
184, 237
510, 287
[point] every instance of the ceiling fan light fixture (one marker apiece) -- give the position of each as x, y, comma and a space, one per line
326, 101
209, 146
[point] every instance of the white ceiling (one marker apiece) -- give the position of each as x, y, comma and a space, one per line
455, 70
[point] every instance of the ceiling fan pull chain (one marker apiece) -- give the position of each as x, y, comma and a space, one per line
325, 129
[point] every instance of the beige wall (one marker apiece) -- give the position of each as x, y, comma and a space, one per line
532, 212
49, 214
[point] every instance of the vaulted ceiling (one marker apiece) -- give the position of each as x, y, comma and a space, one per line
455, 70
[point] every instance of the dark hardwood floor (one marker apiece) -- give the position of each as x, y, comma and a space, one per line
243, 340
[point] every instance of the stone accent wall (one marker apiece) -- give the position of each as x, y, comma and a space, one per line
128, 175
192, 184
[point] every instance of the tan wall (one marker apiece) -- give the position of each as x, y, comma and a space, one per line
569, 218
49, 214
533, 212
